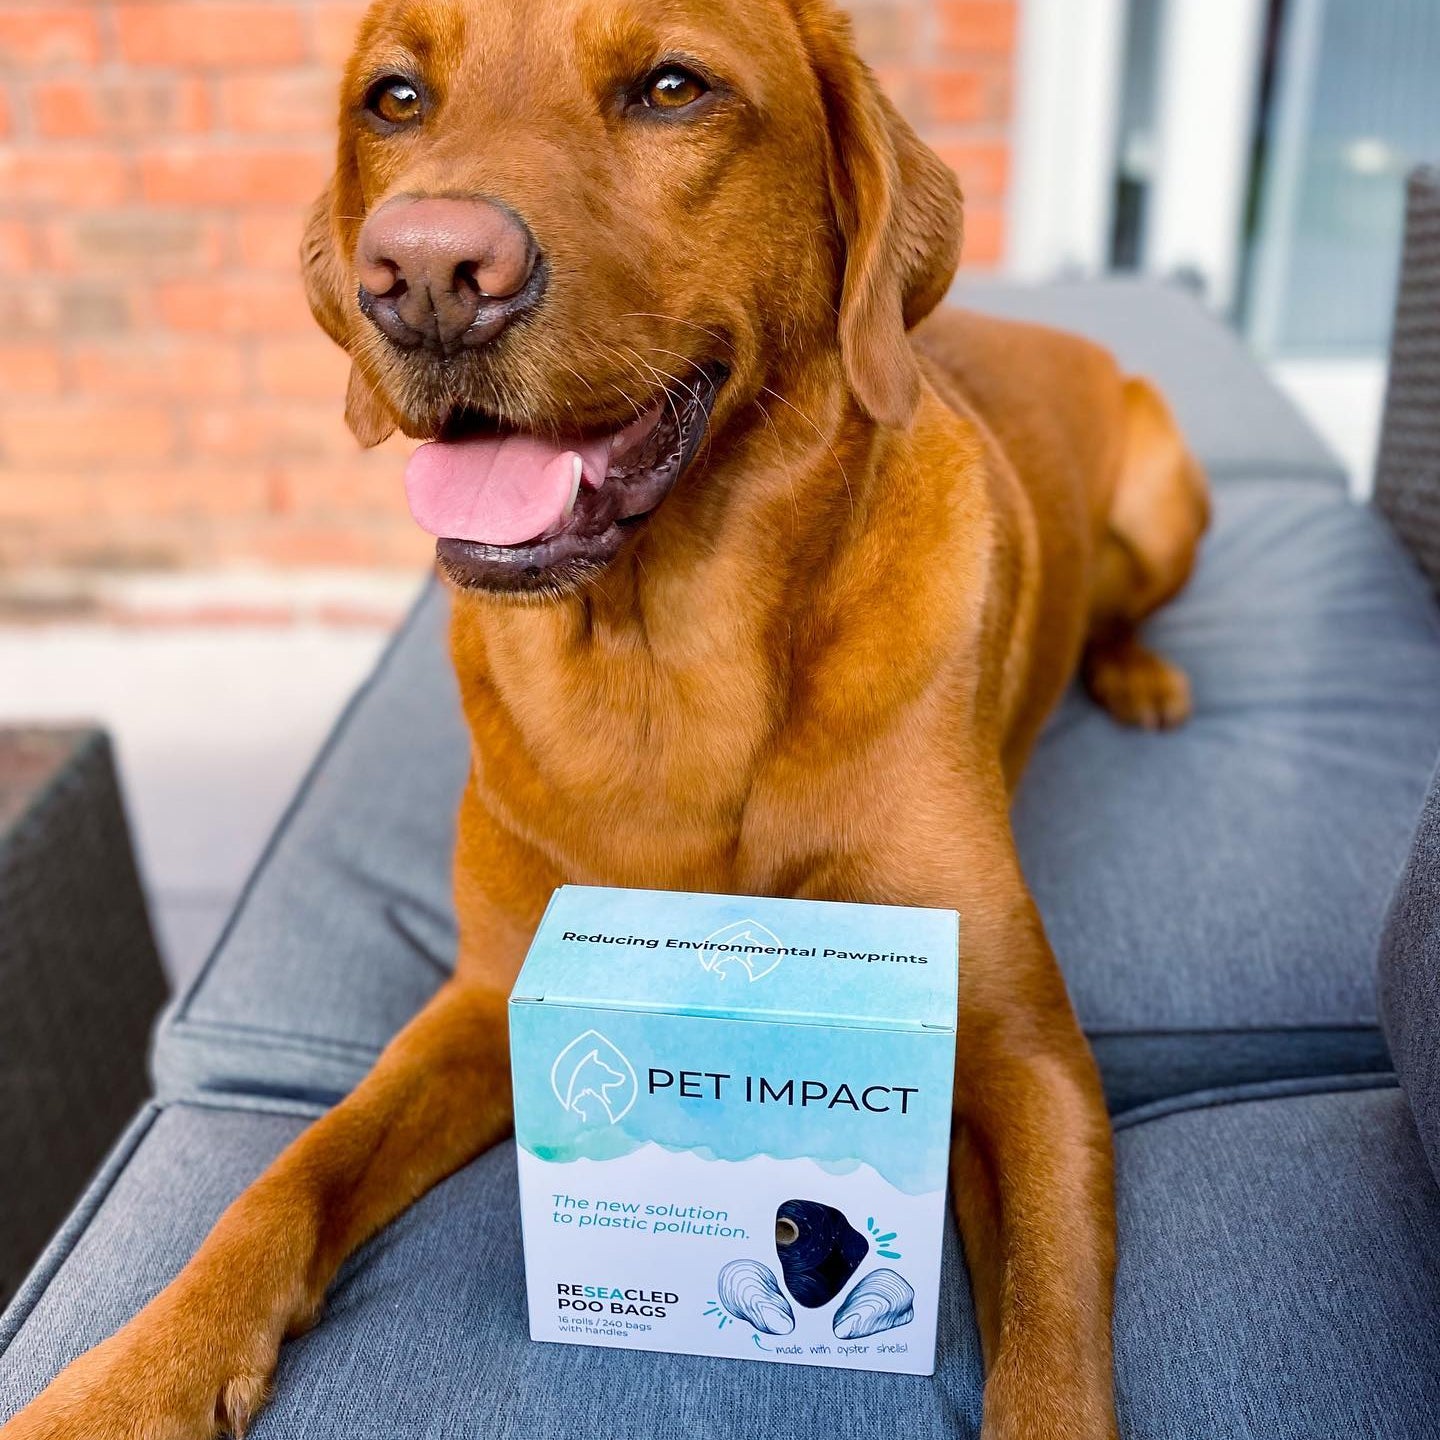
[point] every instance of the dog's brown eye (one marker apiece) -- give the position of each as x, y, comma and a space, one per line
395, 100
673, 88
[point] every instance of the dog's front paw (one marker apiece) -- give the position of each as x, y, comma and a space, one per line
152, 1381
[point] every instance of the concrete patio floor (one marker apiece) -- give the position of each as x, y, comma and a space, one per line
214, 728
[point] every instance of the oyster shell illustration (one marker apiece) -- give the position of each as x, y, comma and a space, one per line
750, 1292
881, 1301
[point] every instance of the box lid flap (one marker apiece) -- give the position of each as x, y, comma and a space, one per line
745, 957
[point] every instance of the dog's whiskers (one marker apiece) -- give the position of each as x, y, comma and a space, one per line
659, 377
849, 493
676, 320
705, 433
635, 367
780, 445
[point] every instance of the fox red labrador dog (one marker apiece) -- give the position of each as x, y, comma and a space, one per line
765, 573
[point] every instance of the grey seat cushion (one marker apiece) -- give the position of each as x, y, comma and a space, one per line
1279, 1277
347, 925
1279, 1271
1235, 418
1214, 895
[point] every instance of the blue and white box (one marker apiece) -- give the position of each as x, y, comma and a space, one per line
733, 1125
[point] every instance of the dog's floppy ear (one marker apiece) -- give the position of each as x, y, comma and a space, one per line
900, 215
326, 288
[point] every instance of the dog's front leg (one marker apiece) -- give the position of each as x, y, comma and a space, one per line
1033, 1182
1031, 1165
197, 1360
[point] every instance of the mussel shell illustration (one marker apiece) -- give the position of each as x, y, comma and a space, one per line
819, 1250
750, 1292
881, 1301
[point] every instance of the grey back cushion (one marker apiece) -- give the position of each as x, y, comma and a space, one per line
1410, 976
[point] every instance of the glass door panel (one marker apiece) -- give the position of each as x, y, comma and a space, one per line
1356, 103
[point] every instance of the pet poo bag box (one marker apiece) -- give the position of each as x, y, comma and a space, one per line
733, 1123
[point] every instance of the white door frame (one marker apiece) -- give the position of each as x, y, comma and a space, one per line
1208, 90
1067, 107
1292, 120
1070, 69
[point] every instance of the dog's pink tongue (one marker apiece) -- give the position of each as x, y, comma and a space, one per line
500, 491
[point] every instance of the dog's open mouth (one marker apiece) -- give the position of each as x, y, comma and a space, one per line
523, 512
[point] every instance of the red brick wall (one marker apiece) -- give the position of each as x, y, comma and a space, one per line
165, 400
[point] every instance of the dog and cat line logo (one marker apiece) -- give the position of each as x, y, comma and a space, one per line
719, 955
593, 1078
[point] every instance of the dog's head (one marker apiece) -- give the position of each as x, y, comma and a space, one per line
567, 238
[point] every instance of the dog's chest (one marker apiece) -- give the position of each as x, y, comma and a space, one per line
622, 766
712, 783
725, 750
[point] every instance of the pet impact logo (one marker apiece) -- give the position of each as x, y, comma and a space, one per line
594, 1079
744, 945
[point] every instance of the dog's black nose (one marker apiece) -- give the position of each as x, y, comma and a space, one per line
444, 272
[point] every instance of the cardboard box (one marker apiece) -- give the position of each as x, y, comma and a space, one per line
733, 1125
